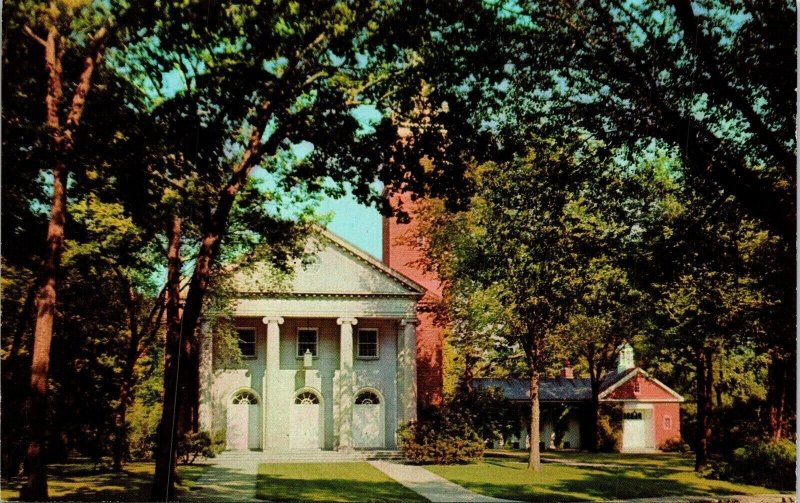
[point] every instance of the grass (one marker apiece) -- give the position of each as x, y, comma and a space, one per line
504, 478
85, 482
328, 482
671, 460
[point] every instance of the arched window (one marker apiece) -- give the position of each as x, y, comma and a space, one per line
306, 398
244, 397
367, 398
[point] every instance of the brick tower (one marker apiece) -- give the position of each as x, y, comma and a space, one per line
401, 256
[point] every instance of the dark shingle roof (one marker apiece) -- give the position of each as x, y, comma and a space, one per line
559, 389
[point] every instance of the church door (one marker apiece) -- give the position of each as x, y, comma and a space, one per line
305, 424
244, 423
368, 422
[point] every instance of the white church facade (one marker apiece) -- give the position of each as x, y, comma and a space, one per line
329, 356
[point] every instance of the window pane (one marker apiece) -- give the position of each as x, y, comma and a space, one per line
306, 340
247, 342
368, 343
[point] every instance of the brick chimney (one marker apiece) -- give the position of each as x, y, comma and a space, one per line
566, 372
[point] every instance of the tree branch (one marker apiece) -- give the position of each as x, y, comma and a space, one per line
27, 30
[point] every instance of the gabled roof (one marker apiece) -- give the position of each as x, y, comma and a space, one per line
562, 389
338, 268
550, 390
607, 391
372, 261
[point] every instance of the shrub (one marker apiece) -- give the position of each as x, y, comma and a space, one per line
770, 464
675, 444
440, 440
610, 428
194, 445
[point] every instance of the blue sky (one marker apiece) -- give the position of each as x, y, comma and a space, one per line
358, 224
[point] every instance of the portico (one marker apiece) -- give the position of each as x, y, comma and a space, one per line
330, 353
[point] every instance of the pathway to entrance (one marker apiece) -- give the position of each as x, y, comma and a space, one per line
231, 477
430, 485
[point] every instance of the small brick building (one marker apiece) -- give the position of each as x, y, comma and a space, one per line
650, 409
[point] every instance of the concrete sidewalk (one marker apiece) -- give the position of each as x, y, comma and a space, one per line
429, 485
230, 478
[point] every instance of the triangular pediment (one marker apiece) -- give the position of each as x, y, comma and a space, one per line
334, 267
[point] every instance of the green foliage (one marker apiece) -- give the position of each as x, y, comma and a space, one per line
143, 419
441, 438
487, 412
610, 428
674, 445
194, 445
771, 464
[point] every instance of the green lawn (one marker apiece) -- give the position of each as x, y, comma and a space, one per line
328, 482
505, 478
676, 461
84, 482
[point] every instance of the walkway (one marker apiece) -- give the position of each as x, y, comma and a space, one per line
231, 477
430, 485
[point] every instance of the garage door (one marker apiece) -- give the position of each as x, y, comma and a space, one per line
636, 432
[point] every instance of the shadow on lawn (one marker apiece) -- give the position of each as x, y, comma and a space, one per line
281, 488
603, 483
82, 482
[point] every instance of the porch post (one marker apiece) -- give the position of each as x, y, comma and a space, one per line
271, 371
407, 370
346, 382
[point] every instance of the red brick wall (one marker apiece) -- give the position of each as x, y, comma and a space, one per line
648, 390
401, 255
667, 418
666, 415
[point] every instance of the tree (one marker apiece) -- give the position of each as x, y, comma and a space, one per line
64, 45
534, 249
292, 78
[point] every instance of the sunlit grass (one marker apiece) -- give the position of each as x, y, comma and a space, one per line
557, 482
671, 460
329, 482
85, 482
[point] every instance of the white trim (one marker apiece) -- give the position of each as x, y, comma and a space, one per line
229, 400
316, 341
631, 375
377, 344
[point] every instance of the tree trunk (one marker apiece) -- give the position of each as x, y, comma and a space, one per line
776, 397
534, 461
595, 430
166, 462
704, 379
61, 144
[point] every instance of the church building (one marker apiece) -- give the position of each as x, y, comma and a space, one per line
335, 357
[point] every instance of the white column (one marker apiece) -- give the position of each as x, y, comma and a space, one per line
346, 382
269, 381
206, 376
407, 371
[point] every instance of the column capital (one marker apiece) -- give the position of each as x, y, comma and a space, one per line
342, 321
410, 321
266, 320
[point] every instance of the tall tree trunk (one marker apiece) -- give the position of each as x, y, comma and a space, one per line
534, 461
120, 451
595, 430
61, 144
166, 462
704, 379
776, 396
